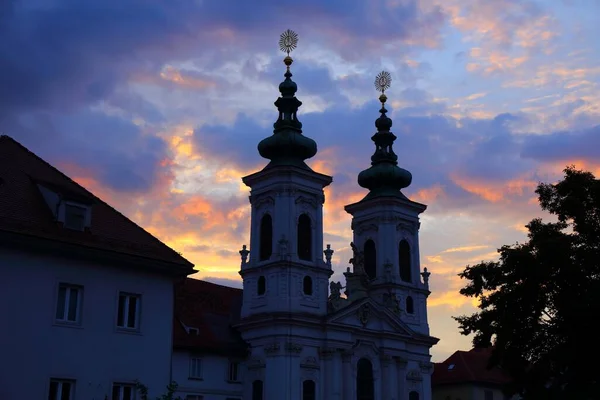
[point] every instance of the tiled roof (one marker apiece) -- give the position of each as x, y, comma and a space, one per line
468, 367
24, 211
212, 309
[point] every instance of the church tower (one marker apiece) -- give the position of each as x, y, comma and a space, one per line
285, 272
385, 226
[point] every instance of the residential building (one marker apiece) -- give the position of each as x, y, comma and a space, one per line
87, 295
465, 376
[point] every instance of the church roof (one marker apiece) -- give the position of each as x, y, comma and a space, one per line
24, 213
468, 367
204, 315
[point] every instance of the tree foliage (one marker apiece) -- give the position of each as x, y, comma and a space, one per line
169, 395
540, 302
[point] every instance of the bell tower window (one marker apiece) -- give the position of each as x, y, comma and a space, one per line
307, 286
266, 237
304, 238
410, 305
261, 286
370, 259
404, 259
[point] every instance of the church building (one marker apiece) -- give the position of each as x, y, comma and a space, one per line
306, 338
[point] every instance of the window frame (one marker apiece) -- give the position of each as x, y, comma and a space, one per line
138, 311
60, 382
84, 213
69, 288
233, 371
308, 283
194, 397
121, 386
261, 286
487, 392
195, 366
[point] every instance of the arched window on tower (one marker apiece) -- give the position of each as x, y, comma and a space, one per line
304, 238
309, 390
404, 259
370, 259
307, 285
410, 305
365, 385
413, 395
257, 390
266, 237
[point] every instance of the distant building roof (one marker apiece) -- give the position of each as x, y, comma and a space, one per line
204, 315
25, 213
468, 367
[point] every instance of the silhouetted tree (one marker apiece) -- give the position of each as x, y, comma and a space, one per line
539, 304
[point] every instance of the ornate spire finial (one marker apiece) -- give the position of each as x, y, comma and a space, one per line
384, 177
288, 41
287, 146
383, 81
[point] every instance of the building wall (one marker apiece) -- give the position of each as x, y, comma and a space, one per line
214, 384
467, 392
455, 392
95, 354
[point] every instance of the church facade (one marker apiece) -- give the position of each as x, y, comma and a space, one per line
306, 339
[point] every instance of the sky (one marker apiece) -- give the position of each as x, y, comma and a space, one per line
156, 106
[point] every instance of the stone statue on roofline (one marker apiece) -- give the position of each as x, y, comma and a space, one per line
357, 260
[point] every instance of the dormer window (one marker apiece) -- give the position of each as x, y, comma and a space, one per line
75, 217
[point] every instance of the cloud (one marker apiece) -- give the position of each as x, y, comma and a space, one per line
564, 146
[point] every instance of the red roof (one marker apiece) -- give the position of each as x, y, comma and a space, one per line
468, 367
23, 211
212, 309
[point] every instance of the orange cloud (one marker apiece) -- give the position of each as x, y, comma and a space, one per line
494, 192
171, 74
429, 195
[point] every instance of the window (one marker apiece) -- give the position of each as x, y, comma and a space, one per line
257, 390
309, 390
413, 395
234, 370
404, 259
123, 391
75, 217
410, 305
261, 285
68, 304
128, 316
304, 238
61, 389
370, 259
266, 237
365, 385
488, 395
307, 286
195, 368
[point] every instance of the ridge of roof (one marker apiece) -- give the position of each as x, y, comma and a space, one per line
178, 258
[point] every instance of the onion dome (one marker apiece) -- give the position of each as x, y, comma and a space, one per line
384, 177
287, 145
